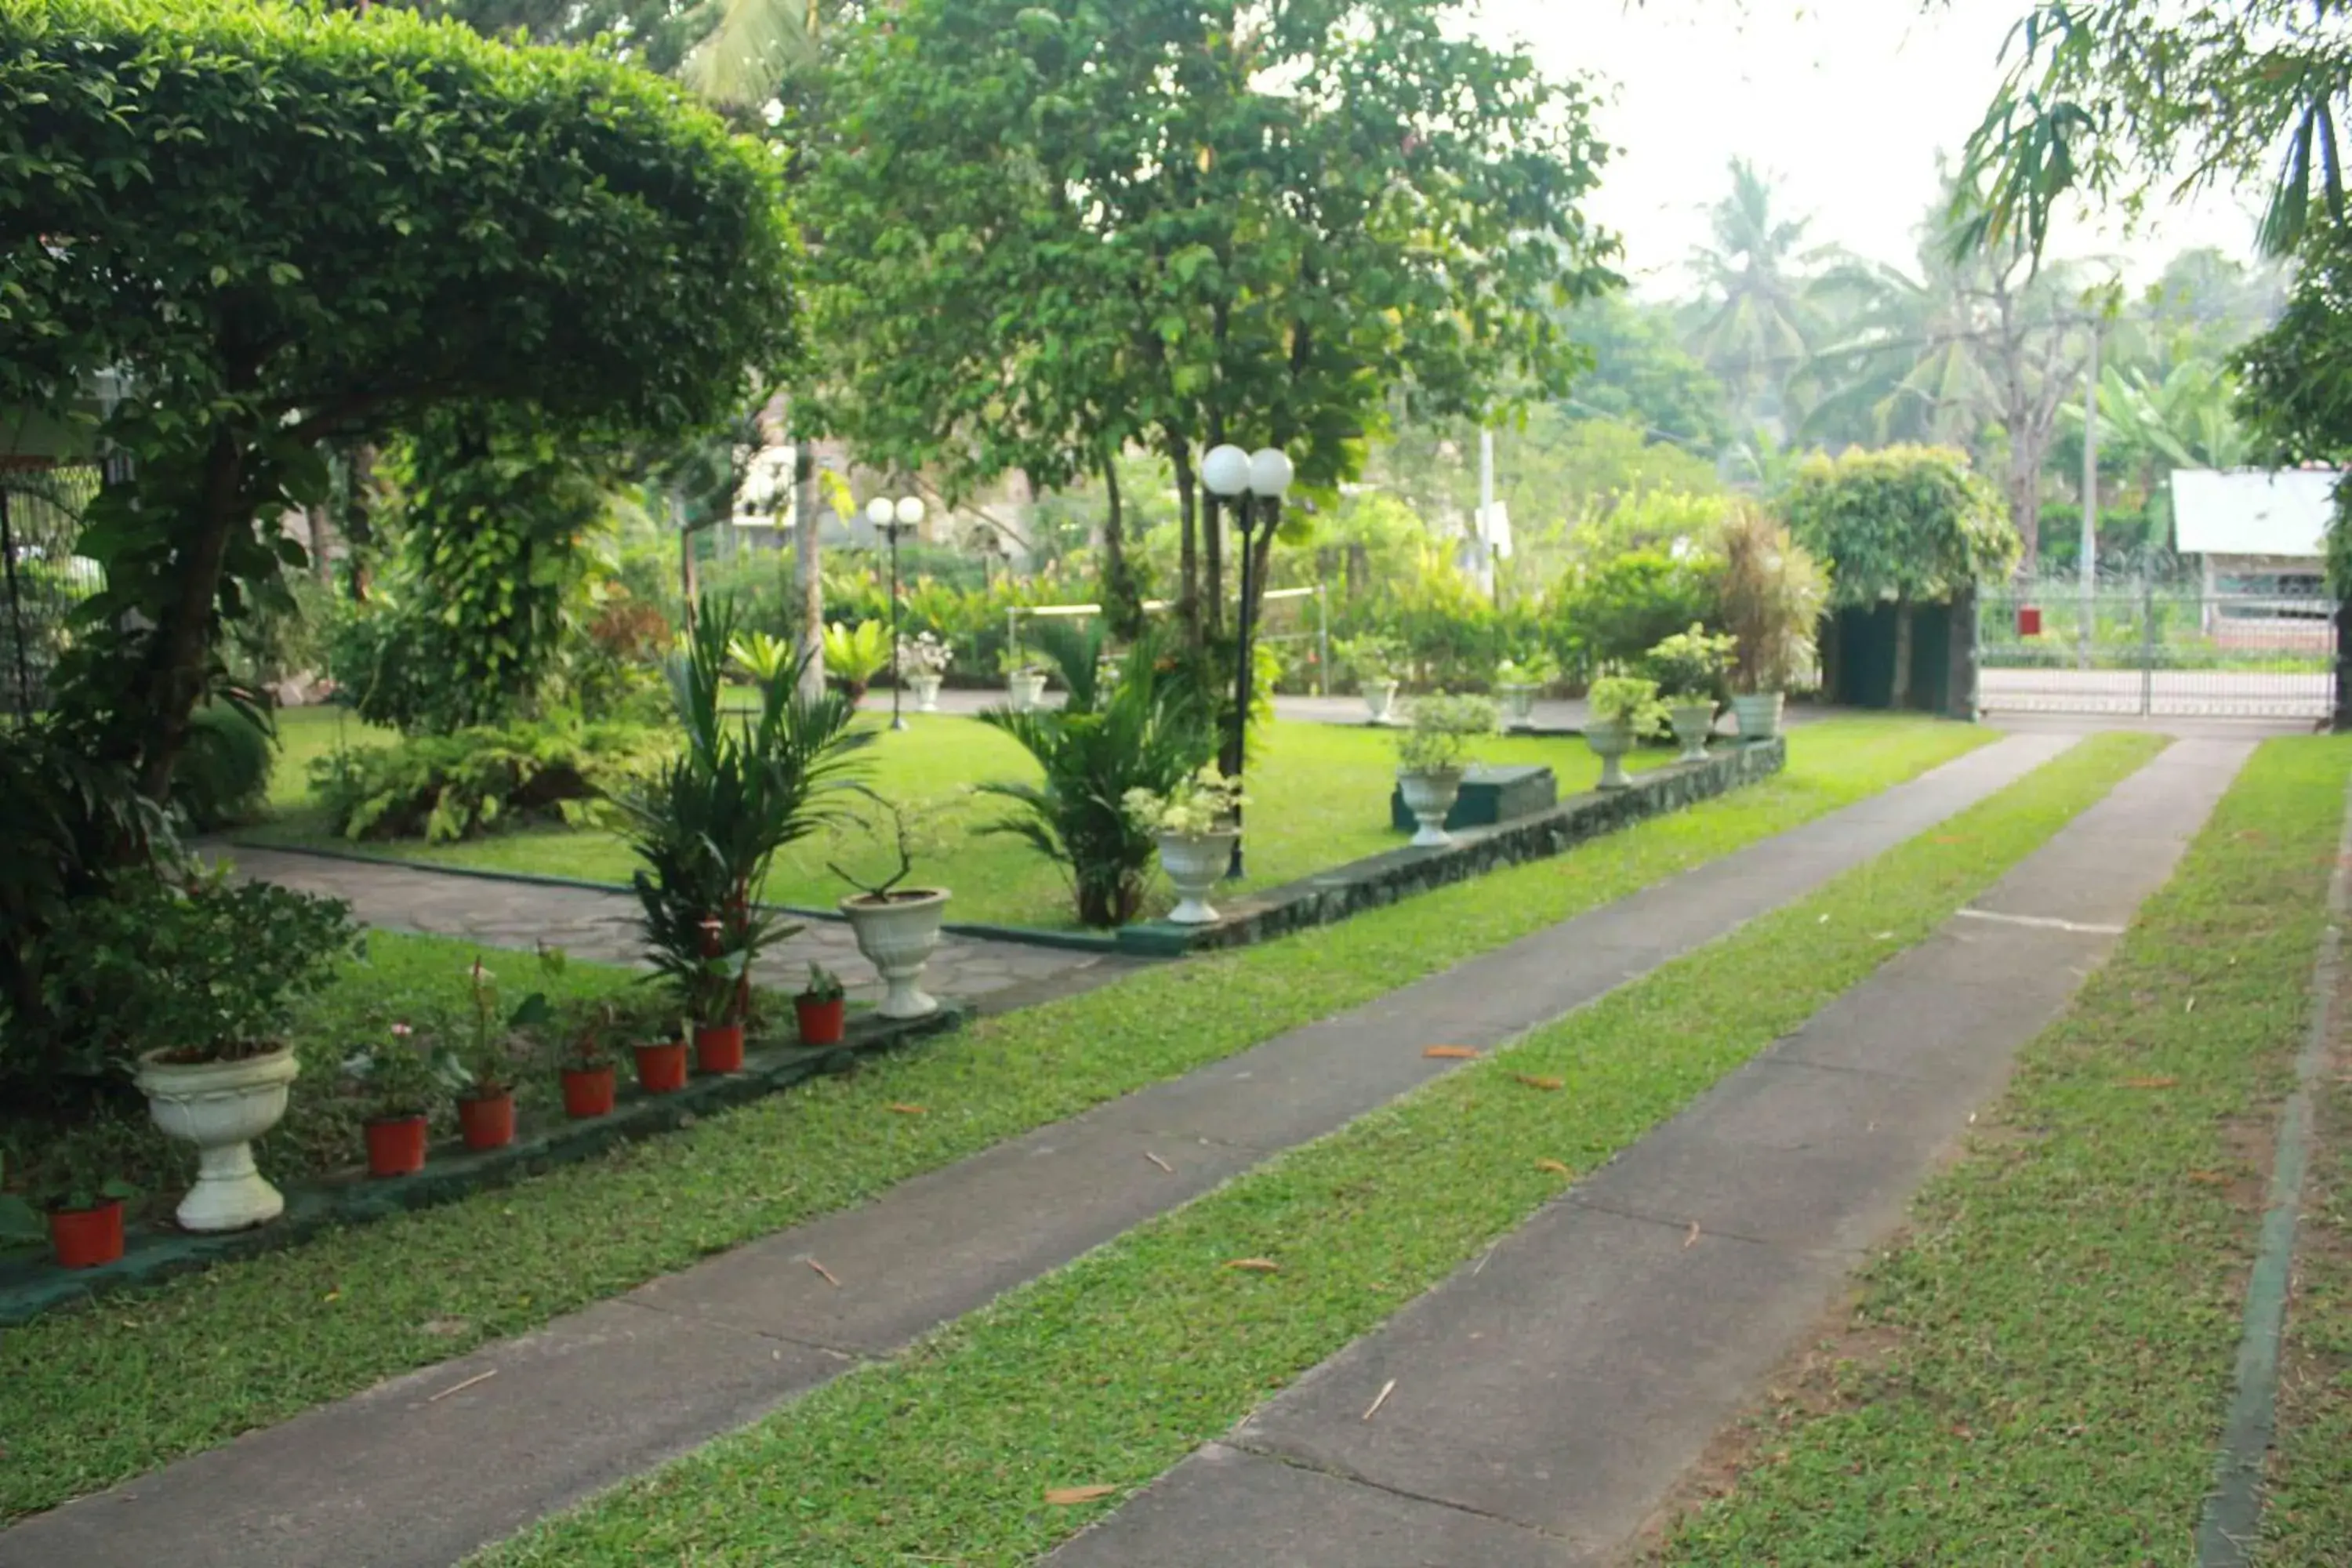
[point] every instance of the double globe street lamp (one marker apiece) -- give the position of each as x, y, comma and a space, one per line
1254, 483
893, 518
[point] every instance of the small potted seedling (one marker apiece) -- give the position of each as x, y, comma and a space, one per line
587, 1074
1689, 667
1374, 662
1195, 826
483, 1078
1624, 708
398, 1079
822, 1008
1432, 756
74, 1201
897, 928
1518, 681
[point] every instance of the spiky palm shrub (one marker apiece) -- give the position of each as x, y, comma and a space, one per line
708, 826
1149, 729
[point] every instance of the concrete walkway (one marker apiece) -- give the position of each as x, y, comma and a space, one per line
598, 926
423, 1468
1545, 1400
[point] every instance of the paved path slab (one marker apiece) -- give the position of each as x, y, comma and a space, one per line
1562, 1386
601, 927
387, 1481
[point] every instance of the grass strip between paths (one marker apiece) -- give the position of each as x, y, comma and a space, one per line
1108, 1372
91, 1397
2039, 1374
2308, 1516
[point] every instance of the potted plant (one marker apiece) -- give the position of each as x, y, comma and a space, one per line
484, 1076
707, 826
853, 656
587, 1073
1432, 755
199, 976
1196, 826
397, 1080
822, 1008
1689, 669
1771, 595
1374, 661
1624, 708
1517, 680
923, 665
74, 1200
897, 928
1024, 680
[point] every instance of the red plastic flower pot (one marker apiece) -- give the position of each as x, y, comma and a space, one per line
84, 1238
718, 1047
395, 1146
661, 1069
822, 1023
587, 1092
488, 1123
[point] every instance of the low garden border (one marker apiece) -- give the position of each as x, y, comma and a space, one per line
29, 1288
1329, 897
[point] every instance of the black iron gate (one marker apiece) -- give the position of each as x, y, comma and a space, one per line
2152, 648
41, 578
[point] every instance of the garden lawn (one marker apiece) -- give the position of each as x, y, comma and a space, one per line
1318, 798
91, 1397
2309, 1516
2039, 1375
1108, 1372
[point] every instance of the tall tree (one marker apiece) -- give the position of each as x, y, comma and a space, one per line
1760, 314
1047, 232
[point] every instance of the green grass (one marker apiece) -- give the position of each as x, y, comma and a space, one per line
1110, 1370
91, 1398
2050, 1354
1318, 798
2309, 1515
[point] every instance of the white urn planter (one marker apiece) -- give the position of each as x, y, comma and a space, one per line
1428, 796
897, 935
1027, 689
1758, 713
926, 688
1609, 740
1519, 706
221, 1108
1693, 722
1380, 699
1195, 862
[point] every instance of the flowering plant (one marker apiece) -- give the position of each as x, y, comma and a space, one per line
1202, 803
923, 654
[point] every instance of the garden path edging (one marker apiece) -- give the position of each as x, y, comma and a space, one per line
1330, 897
28, 1288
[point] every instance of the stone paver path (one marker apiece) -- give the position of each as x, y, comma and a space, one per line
1540, 1404
419, 1471
591, 924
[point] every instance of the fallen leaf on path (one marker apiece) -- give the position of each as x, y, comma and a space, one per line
1255, 1265
2191, 1006
905, 1109
1555, 1167
2210, 1178
821, 1268
1383, 1398
1451, 1053
1546, 1084
1064, 1497
1158, 1161
1692, 1239
461, 1387
2149, 1082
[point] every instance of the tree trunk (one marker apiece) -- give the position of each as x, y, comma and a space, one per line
2340, 720
1188, 589
1125, 605
1899, 697
2025, 512
1961, 690
808, 568
176, 650
1212, 562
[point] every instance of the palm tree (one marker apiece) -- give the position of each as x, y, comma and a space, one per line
1761, 312
752, 50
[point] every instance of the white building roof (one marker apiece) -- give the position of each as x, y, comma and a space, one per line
2250, 511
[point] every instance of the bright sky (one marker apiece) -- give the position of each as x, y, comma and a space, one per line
1846, 103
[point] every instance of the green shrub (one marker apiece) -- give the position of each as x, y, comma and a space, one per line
446, 787
1612, 612
224, 774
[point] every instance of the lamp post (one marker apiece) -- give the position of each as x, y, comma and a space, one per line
892, 517
1255, 484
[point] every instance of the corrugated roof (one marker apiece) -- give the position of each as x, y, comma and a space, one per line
2250, 511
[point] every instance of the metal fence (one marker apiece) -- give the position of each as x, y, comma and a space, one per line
41, 578
2154, 648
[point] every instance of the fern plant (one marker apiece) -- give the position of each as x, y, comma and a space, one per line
853, 656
